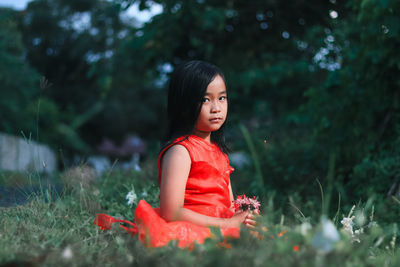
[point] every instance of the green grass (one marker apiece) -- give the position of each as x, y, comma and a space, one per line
15, 179
61, 232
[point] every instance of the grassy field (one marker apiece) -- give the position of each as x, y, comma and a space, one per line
58, 230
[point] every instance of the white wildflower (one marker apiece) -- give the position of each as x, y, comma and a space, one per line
355, 238
144, 194
130, 258
393, 241
378, 242
372, 223
371, 217
348, 225
351, 211
304, 227
67, 253
360, 218
329, 230
131, 197
359, 231
325, 238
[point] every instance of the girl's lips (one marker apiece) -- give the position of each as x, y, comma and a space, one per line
216, 119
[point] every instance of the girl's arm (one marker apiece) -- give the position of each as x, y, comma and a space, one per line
175, 171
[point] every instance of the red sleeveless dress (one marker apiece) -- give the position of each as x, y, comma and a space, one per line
206, 192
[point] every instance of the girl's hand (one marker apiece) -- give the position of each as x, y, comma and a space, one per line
237, 219
250, 220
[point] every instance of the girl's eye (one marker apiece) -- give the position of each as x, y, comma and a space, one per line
222, 98
206, 100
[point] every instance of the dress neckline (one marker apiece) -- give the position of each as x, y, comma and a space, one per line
210, 146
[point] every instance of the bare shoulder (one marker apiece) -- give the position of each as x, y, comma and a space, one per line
176, 154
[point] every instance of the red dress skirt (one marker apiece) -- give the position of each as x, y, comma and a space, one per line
206, 192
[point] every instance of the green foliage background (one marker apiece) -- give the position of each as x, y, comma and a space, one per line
318, 95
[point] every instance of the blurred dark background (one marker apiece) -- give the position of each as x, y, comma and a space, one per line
313, 85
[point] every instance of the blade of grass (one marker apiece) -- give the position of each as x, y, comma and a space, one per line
330, 179
322, 196
337, 212
298, 210
396, 199
256, 161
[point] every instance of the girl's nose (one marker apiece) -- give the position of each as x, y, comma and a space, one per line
215, 107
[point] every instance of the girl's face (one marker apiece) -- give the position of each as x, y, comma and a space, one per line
214, 108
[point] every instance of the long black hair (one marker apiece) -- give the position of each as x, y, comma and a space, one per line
187, 88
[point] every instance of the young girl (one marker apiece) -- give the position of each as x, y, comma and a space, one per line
195, 188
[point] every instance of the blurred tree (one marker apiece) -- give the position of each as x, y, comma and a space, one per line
345, 133
70, 43
19, 82
359, 105
73, 43
262, 46
136, 101
82, 48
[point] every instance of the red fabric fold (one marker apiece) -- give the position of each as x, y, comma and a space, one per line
104, 222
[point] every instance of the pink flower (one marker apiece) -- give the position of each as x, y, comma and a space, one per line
243, 203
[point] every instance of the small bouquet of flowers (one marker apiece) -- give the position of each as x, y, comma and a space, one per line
243, 203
